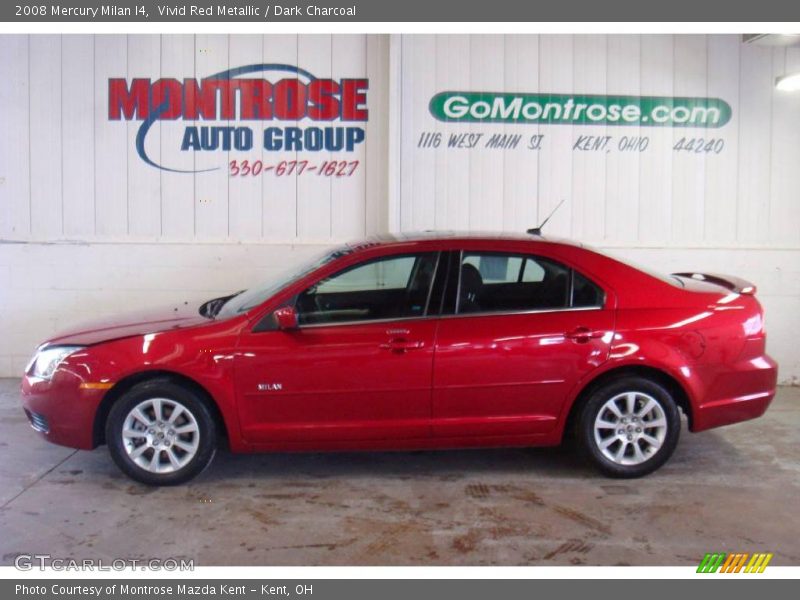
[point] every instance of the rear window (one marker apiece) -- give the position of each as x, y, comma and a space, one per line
497, 282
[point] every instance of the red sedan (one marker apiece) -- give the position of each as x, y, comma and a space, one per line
415, 342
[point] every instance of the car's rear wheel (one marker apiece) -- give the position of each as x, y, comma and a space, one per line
629, 427
161, 433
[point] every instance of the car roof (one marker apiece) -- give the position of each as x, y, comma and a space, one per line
451, 236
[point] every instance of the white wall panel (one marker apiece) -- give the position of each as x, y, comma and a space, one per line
623, 195
112, 149
77, 126
755, 134
177, 189
46, 137
520, 201
245, 195
212, 211
279, 194
721, 170
15, 168
785, 155
450, 198
376, 180
348, 192
144, 181
486, 197
555, 163
69, 172
589, 169
745, 193
418, 179
688, 168
314, 199
80, 176
656, 62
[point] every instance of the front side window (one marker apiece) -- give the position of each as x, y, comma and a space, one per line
496, 282
251, 298
387, 288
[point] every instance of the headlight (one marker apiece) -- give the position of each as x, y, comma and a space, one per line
47, 360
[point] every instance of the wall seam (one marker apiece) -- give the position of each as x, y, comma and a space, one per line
30, 155
94, 132
61, 129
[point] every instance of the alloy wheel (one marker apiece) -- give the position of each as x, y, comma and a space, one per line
160, 435
630, 428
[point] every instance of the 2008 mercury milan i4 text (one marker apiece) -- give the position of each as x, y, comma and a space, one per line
426, 341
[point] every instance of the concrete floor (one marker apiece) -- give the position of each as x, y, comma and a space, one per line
733, 489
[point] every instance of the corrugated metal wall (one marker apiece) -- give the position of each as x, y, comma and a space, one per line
70, 172
747, 195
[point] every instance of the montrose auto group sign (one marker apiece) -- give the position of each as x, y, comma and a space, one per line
228, 111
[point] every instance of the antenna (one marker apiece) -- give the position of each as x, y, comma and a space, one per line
538, 230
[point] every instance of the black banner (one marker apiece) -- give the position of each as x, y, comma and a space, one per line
394, 11
392, 589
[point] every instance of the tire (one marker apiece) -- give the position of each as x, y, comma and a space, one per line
185, 437
640, 440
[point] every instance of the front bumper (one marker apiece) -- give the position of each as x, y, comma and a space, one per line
61, 410
739, 394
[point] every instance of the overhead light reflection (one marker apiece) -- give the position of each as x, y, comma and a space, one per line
788, 83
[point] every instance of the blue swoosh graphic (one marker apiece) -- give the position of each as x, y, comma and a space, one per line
159, 110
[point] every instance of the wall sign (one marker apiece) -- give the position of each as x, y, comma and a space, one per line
568, 109
505, 108
233, 102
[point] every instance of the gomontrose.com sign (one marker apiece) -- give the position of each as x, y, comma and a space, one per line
570, 109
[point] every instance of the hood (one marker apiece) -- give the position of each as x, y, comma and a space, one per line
138, 323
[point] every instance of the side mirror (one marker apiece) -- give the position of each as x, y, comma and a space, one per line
286, 318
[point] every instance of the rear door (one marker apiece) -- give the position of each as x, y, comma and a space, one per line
525, 328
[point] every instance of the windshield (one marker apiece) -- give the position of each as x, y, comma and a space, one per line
254, 296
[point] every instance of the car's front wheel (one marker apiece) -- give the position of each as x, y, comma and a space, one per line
161, 433
629, 427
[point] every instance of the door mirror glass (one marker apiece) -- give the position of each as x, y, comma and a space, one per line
286, 318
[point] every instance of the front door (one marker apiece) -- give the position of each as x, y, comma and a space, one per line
525, 330
358, 368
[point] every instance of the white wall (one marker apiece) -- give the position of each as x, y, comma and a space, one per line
68, 172
87, 228
47, 287
748, 194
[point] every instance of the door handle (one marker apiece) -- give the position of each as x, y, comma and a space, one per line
581, 335
401, 345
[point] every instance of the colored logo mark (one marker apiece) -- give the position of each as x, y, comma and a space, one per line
736, 562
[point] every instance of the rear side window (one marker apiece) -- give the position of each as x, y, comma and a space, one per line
496, 282
586, 293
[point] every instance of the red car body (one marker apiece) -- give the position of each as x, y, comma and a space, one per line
441, 380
